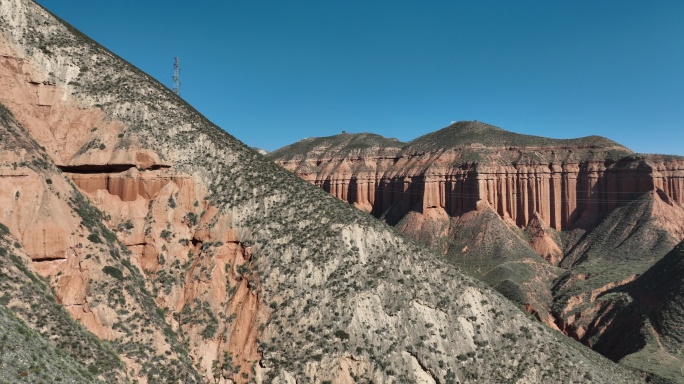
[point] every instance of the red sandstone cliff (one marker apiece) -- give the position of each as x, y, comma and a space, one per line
153, 208
566, 182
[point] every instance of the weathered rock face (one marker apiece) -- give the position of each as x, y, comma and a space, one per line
59, 236
352, 165
572, 194
565, 185
153, 208
490, 200
38, 332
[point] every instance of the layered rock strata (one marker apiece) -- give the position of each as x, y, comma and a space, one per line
564, 185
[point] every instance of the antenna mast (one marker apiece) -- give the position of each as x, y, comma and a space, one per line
176, 76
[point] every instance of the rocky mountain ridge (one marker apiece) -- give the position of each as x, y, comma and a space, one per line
171, 252
544, 221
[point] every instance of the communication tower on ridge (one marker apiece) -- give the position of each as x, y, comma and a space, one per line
176, 76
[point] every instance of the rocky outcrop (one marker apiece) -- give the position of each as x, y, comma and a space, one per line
129, 186
543, 241
146, 203
348, 166
62, 241
566, 186
40, 339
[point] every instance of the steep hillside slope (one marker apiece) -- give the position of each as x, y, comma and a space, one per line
552, 224
38, 339
622, 247
659, 293
60, 235
640, 324
204, 261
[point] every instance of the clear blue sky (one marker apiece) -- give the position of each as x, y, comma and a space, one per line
273, 72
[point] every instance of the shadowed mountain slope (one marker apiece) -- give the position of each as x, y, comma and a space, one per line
641, 322
659, 293
38, 339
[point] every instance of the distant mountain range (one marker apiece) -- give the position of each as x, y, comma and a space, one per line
567, 228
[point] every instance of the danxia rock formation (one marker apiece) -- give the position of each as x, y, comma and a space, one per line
563, 182
141, 243
553, 224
